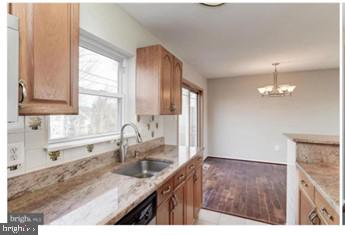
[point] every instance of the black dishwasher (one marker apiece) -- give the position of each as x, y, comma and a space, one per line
143, 214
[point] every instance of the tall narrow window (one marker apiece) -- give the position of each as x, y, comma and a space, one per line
190, 119
193, 112
184, 119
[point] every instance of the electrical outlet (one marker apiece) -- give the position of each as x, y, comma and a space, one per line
15, 153
276, 148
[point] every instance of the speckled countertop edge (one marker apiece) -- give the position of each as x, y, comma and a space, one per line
313, 139
326, 196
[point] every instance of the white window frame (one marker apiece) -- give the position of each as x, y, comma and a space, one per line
102, 47
199, 92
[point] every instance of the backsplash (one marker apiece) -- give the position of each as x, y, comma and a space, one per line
28, 138
45, 177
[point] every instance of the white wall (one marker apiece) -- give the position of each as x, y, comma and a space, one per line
112, 23
244, 125
109, 22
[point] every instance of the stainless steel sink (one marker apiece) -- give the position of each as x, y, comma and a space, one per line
143, 168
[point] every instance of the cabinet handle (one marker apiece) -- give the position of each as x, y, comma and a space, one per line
313, 217
172, 107
22, 91
315, 220
174, 200
325, 213
167, 190
195, 178
304, 183
181, 177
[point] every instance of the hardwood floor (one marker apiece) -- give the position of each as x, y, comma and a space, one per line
247, 189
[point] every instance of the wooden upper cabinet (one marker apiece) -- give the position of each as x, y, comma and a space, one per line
167, 80
49, 57
158, 82
177, 86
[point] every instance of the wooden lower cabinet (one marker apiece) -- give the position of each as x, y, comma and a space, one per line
313, 209
306, 209
183, 205
189, 215
164, 213
178, 205
197, 190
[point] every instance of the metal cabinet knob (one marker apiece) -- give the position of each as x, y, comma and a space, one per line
167, 190
181, 177
304, 183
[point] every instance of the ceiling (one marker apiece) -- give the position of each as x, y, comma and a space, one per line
244, 39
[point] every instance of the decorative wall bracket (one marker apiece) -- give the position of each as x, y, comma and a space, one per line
90, 147
35, 123
13, 168
54, 155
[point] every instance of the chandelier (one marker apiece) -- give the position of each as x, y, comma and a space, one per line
276, 90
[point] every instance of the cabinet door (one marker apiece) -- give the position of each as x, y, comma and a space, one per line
189, 211
163, 214
305, 208
197, 191
179, 202
176, 87
166, 82
49, 54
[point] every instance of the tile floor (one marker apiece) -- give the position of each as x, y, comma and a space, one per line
207, 217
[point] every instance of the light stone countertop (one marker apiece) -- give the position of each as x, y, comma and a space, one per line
313, 139
101, 196
325, 178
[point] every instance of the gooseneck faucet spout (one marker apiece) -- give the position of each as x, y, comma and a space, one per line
123, 145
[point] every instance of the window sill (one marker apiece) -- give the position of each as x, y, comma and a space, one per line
79, 143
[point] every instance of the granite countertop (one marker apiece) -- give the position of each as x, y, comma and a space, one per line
313, 139
101, 196
325, 179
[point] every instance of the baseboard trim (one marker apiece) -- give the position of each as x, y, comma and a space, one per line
246, 160
241, 216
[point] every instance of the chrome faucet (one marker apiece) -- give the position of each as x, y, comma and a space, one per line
124, 146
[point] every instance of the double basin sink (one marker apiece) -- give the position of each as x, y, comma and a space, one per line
143, 168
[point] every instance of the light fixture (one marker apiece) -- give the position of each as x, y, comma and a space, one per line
276, 90
212, 4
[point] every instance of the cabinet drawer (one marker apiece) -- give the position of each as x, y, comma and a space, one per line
325, 210
306, 185
179, 177
190, 168
165, 191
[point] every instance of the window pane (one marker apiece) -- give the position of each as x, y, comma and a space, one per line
184, 119
97, 115
97, 72
193, 119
